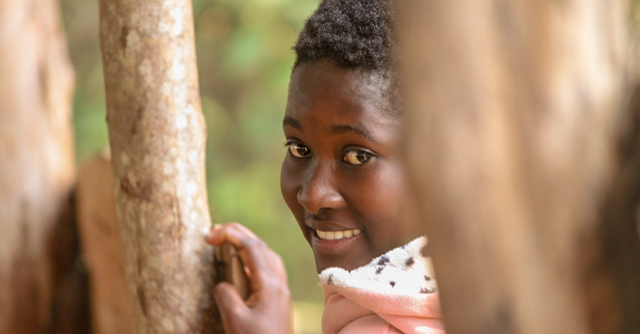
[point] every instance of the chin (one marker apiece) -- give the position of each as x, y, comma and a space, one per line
345, 264
322, 265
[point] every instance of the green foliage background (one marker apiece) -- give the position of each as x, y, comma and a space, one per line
244, 60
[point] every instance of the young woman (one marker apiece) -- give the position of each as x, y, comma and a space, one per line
343, 180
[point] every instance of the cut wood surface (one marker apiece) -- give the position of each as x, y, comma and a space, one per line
36, 167
229, 268
111, 304
157, 136
513, 113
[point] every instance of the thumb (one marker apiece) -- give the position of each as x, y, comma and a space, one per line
230, 304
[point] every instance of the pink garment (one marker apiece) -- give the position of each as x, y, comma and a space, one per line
360, 311
395, 293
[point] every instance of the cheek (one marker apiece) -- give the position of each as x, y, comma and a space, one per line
382, 192
289, 186
387, 208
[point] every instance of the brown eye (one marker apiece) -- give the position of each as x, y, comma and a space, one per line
357, 157
298, 150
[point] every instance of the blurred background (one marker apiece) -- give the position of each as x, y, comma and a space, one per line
244, 60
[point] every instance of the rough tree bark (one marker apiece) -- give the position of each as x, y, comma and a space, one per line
157, 136
513, 109
37, 246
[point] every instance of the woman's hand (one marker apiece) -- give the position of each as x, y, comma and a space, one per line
268, 308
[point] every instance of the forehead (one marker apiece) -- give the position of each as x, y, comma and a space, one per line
323, 86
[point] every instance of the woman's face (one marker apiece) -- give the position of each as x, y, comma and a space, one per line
342, 176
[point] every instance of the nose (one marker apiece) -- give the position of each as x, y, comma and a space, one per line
319, 189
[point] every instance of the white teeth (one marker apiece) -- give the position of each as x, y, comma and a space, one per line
337, 235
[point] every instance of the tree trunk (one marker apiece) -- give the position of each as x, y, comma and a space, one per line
111, 305
513, 109
36, 168
157, 136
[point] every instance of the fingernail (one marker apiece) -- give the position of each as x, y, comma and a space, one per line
206, 230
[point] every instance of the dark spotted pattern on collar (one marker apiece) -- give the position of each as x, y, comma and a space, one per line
403, 269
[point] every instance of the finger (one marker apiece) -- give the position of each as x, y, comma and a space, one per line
282, 272
277, 264
219, 234
230, 305
214, 237
255, 254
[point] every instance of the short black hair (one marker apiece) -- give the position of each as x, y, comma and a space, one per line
353, 34
350, 33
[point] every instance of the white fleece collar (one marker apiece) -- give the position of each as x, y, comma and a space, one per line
405, 269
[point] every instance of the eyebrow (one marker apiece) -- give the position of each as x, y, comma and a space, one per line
356, 129
337, 129
291, 122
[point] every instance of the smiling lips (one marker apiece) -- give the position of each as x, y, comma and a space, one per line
337, 235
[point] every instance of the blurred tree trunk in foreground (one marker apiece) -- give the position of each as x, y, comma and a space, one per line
42, 288
514, 111
110, 303
157, 136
